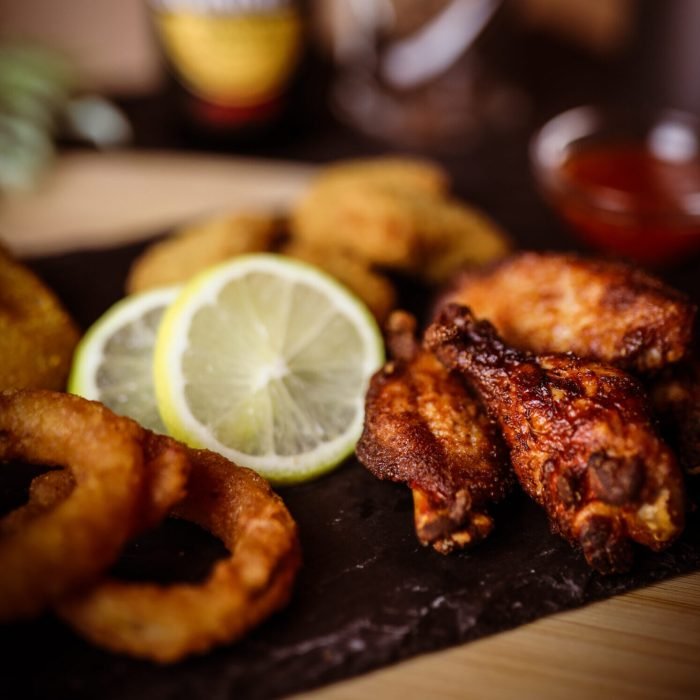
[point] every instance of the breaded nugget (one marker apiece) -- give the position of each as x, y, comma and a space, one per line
466, 237
372, 223
372, 287
398, 173
398, 228
360, 206
201, 245
37, 336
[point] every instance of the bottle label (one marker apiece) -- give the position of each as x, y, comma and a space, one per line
237, 53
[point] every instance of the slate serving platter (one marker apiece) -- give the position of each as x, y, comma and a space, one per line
367, 596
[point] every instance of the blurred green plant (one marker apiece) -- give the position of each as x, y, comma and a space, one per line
35, 87
38, 104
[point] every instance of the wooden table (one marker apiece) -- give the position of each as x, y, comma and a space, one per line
645, 644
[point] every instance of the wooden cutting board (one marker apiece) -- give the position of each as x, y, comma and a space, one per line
645, 644
95, 200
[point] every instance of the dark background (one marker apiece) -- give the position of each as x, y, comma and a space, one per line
657, 67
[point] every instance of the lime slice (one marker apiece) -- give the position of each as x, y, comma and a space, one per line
266, 360
114, 361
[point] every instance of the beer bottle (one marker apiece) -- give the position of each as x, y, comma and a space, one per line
233, 60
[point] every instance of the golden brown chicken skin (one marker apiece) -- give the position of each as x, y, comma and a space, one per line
423, 427
545, 302
580, 439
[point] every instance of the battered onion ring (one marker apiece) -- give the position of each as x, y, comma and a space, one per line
75, 542
167, 468
46, 491
166, 623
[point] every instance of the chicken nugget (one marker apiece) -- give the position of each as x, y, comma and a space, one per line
194, 248
361, 206
373, 223
371, 286
398, 173
462, 236
398, 228
37, 335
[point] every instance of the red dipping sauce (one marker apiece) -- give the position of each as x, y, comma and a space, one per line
632, 190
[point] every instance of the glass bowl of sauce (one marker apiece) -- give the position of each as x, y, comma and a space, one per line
629, 184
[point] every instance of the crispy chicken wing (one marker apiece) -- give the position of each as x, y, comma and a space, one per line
424, 427
675, 398
561, 303
580, 439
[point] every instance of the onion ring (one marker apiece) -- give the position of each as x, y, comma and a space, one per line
166, 623
75, 542
45, 492
167, 467
167, 464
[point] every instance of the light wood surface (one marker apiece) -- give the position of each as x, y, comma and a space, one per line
93, 200
645, 644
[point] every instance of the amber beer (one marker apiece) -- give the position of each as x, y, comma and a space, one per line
235, 59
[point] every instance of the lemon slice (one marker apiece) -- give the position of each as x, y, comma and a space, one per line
114, 361
266, 360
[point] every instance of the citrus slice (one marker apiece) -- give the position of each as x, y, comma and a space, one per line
114, 361
266, 360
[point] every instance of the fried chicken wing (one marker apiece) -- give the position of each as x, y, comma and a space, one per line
561, 303
424, 428
580, 439
675, 398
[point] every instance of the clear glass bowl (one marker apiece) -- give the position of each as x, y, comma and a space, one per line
627, 182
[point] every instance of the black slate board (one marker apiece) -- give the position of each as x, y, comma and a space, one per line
368, 594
